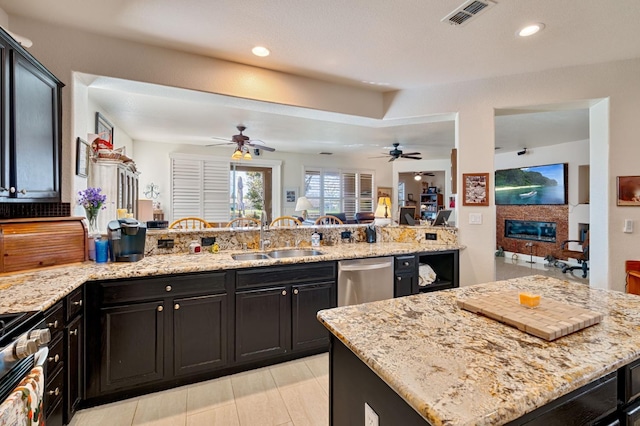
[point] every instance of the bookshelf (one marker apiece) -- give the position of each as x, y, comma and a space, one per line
430, 204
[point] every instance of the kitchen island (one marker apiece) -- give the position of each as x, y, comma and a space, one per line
453, 367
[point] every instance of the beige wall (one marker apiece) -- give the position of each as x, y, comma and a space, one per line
472, 103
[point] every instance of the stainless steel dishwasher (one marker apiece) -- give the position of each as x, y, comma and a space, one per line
365, 280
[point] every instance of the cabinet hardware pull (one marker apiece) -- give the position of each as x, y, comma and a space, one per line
284, 292
405, 263
399, 278
295, 291
3, 189
73, 332
168, 288
54, 358
160, 308
176, 306
23, 191
55, 392
78, 303
12, 190
53, 324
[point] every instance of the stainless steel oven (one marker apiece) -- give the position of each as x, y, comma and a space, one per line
23, 346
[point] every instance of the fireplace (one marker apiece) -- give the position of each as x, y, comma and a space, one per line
530, 230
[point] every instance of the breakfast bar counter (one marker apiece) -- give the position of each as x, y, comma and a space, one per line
454, 367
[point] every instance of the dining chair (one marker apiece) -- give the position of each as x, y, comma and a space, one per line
328, 220
189, 223
243, 222
285, 221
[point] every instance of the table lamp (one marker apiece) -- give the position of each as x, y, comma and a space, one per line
382, 211
302, 205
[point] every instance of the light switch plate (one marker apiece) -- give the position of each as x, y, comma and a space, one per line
628, 226
475, 218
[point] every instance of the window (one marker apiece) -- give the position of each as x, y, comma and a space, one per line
336, 191
401, 191
200, 188
251, 193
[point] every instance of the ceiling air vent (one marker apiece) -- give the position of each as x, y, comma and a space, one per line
466, 11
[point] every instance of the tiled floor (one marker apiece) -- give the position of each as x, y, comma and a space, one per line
507, 268
294, 393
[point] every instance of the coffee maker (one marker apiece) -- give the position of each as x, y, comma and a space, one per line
126, 240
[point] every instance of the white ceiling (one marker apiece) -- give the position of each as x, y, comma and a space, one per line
402, 43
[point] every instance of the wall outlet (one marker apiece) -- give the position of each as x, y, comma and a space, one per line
370, 416
345, 234
430, 236
168, 243
207, 241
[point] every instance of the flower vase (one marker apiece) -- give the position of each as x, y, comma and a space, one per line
92, 218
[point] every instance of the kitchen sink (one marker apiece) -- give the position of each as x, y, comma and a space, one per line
277, 254
250, 256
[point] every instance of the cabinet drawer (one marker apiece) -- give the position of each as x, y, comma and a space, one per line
54, 358
74, 303
405, 263
143, 289
54, 318
53, 391
630, 388
279, 275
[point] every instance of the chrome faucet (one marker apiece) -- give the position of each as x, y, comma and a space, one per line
263, 227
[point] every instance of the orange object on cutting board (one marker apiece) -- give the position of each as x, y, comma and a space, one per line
530, 300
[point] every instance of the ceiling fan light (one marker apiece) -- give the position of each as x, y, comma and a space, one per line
246, 156
418, 177
260, 51
237, 155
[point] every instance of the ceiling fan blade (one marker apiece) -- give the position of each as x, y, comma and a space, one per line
410, 156
221, 139
220, 144
410, 153
392, 159
260, 146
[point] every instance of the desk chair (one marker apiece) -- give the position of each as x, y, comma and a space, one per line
582, 256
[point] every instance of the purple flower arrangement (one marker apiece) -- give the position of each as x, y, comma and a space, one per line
92, 200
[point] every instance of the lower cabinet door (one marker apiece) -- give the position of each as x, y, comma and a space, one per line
306, 301
74, 367
132, 345
262, 323
405, 285
199, 334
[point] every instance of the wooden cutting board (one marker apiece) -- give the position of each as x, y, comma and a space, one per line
549, 320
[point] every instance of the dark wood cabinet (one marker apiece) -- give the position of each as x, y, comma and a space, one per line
306, 301
31, 127
133, 349
262, 323
74, 334
276, 309
405, 275
154, 331
200, 330
64, 385
446, 265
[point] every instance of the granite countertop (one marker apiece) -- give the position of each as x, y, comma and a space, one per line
458, 368
37, 290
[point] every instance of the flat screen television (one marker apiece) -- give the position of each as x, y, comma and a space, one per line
532, 185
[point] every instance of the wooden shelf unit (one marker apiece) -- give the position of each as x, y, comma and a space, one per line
433, 203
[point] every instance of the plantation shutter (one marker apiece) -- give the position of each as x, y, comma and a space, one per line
349, 191
365, 198
200, 188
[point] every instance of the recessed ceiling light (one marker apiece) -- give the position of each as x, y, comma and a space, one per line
260, 51
530, 30
374, 83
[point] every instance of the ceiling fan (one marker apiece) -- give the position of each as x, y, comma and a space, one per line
243, 143
396, 153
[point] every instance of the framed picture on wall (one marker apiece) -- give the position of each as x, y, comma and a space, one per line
384, 191
475, 190
104, 128
628, 190
290, 196
82, 157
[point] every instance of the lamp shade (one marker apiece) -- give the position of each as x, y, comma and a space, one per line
303, 203
384, 205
